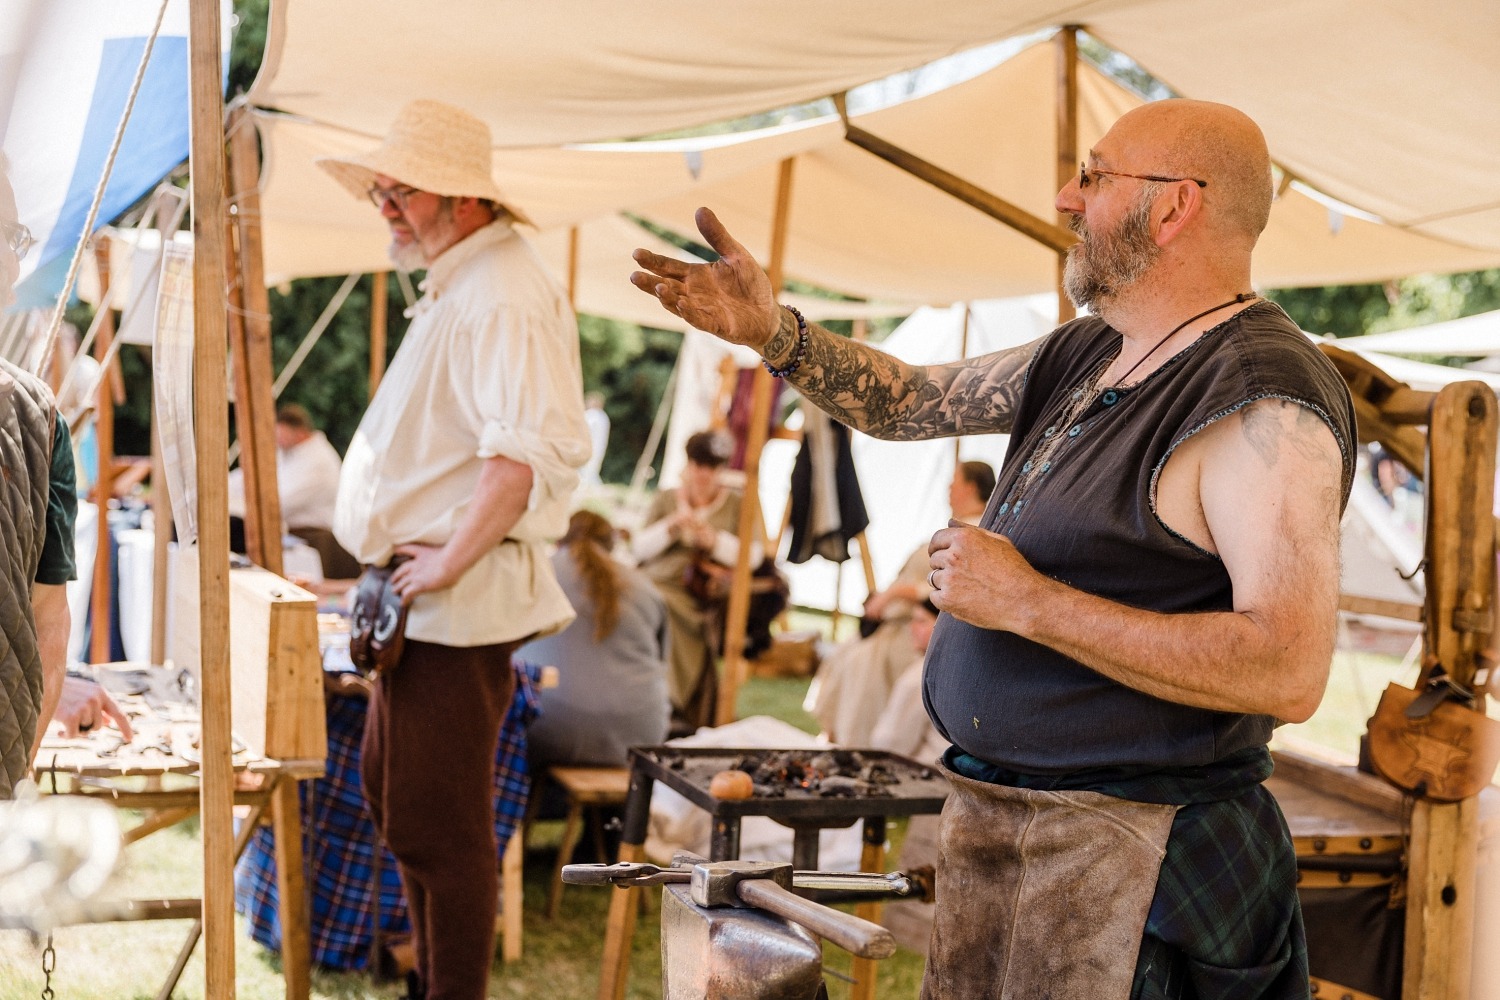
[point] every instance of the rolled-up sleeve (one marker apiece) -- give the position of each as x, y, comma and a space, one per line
529, 396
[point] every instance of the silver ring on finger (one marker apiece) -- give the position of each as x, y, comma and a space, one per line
932, 579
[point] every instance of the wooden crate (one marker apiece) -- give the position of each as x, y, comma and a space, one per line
275, 668
792, 654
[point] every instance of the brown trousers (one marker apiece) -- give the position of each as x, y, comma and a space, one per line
428, 768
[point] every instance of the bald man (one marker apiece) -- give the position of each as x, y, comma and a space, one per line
1153, 585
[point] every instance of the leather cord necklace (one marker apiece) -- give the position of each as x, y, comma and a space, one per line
1242, 297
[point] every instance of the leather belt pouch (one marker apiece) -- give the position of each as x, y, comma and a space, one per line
1443, 750
378, 628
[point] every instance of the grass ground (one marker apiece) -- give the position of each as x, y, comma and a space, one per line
130, 961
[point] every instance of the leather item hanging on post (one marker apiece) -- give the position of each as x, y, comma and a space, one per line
377, 629
1431, 742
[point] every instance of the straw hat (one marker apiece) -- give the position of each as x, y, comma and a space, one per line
432, 147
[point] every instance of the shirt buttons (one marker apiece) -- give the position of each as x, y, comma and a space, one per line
1049, 432
1110, 397
1075, 430
1026, 467
1005, 508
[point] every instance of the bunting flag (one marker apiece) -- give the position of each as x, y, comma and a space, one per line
66, 71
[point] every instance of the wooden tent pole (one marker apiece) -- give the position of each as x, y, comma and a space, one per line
379, 327
1067, 141
738, 614
1441, 881
250, 345
573, 268
211, 433
101, 596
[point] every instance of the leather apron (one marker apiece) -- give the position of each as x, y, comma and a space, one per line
1042, 894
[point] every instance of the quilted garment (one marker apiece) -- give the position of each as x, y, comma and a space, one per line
26, 415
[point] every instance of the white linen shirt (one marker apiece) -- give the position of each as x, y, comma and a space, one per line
307, 477
489, 366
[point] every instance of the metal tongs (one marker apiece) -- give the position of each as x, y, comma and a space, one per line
769, 886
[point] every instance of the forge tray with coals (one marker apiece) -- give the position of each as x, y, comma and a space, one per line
820, 784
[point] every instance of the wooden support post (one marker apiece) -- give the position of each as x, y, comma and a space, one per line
619, 931
871, 859
379, 327
210, 420
1460, 606
738, 613
101, 595
250, 346
291, 888
1067, 141
573, 268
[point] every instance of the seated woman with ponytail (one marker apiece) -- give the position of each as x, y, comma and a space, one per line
611, 662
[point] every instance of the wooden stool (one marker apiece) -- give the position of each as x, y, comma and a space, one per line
584, 787
508, 920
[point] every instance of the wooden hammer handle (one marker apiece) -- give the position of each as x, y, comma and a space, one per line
853, 934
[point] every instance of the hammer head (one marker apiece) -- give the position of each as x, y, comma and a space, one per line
714, 883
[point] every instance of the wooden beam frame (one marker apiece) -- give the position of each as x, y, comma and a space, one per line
1046, 233
1441, 883
210, 406
250, 347
1067, 142
738, 613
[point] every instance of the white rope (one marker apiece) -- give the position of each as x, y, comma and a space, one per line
311, 339
308, 343
109, 165
653, 439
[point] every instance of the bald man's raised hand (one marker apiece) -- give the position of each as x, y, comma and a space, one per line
730, 298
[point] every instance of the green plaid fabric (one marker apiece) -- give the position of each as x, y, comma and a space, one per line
1225, 923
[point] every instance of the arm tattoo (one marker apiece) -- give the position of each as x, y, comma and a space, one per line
873, 392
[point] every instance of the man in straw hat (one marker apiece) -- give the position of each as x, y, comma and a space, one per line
462, 466
1153, 585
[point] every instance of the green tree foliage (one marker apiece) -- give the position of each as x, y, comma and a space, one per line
248, 43
1351, 310
630, 365
333, 381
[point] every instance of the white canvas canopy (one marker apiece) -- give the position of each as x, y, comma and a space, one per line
857, 225
1384, 104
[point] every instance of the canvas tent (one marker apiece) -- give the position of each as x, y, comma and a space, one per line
857, 225
1385, 105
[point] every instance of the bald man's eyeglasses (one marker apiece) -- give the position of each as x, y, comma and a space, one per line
1084, 176
17, 237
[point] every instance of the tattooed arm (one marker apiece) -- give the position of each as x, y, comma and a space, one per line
873, 392
863, 387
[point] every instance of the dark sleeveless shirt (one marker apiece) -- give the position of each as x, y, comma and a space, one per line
1086, 518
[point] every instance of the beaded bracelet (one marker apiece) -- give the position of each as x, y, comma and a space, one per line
798, 355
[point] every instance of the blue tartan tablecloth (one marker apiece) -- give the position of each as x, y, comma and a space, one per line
339, 841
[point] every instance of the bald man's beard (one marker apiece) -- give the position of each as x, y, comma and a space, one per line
1105, 263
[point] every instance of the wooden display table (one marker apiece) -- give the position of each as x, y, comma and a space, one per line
131, 776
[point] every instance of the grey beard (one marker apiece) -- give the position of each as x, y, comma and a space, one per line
1104, 264
410, 257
